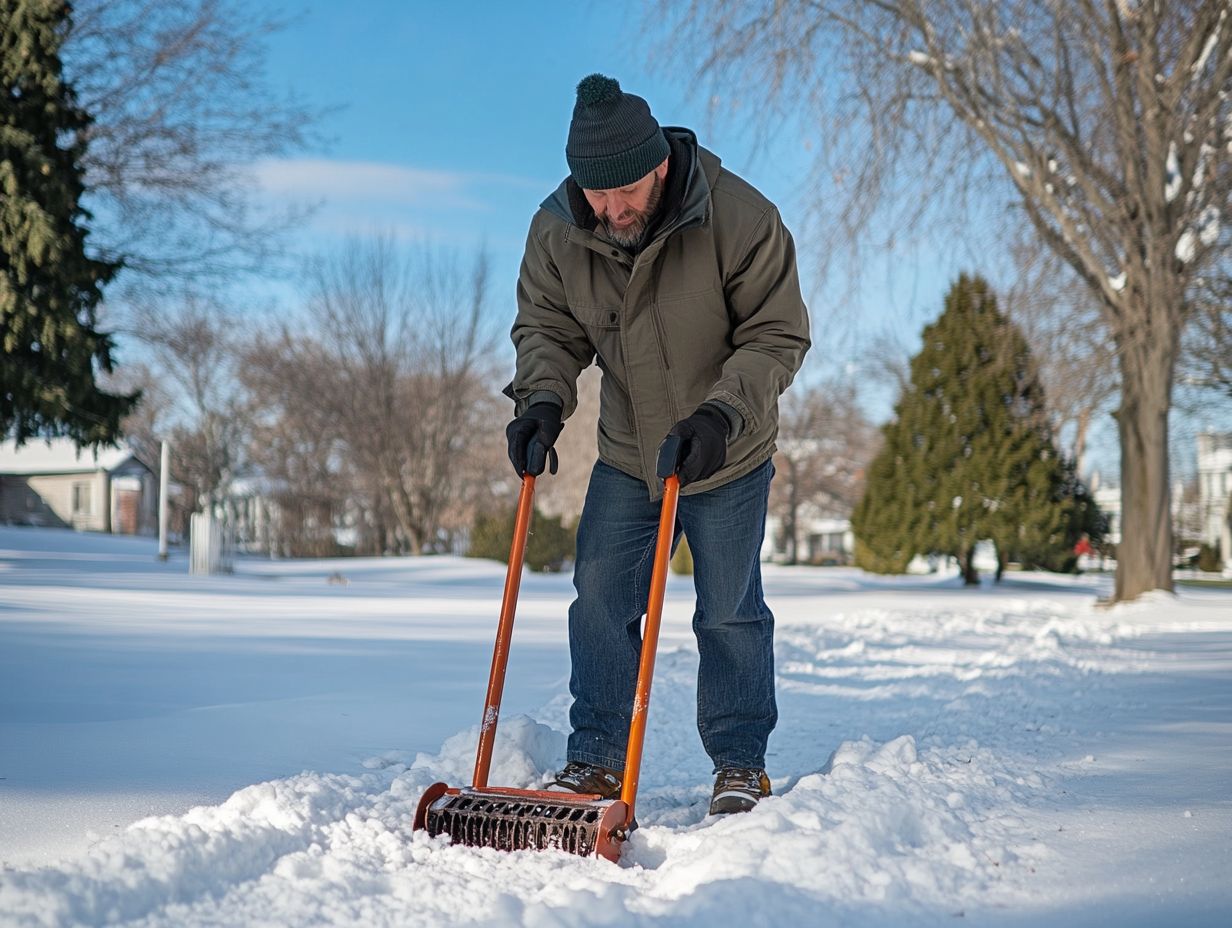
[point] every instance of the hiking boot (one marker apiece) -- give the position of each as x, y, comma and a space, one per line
580, 777
737, 789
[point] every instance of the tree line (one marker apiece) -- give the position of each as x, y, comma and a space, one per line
1103, 125
367, 416
128, 125
971, 454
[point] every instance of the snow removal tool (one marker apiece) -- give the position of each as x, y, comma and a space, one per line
511, 819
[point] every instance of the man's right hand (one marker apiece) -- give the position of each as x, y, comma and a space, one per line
531, 437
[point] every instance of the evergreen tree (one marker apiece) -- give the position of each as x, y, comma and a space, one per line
49, 286
970, 455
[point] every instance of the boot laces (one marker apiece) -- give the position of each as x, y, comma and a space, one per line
739, 779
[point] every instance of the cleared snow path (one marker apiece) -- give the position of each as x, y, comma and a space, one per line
1000, 756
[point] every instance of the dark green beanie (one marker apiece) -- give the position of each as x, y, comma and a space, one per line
613, 139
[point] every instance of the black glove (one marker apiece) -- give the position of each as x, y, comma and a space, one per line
531, 437
703, 444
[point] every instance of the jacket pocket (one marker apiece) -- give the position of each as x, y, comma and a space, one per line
697, 339
602, 326
596, 316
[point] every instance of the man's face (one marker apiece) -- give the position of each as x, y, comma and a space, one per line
626, 211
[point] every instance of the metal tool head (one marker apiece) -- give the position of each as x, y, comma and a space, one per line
515, 819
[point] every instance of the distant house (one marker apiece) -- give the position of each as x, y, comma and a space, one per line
1213, 515
824, 537
1108, 499
52, 483
1215, 489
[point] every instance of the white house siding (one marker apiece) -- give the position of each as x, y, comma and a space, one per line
1108, 499
54, 483
821, 539
21, 505
1215, 489
57, 491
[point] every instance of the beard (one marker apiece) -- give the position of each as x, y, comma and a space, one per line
631, 234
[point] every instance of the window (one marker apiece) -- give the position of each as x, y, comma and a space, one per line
83, 499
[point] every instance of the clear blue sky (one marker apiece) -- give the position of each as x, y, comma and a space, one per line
450, 126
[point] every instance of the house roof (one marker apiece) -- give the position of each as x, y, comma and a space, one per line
58, 456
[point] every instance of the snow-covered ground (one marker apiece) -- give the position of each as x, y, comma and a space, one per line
249, 750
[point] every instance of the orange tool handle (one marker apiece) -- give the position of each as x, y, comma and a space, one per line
650, 644
504, 631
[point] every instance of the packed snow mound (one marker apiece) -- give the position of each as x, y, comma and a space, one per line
883, 821
1007, 754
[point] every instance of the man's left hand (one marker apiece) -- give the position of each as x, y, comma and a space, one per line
703, 448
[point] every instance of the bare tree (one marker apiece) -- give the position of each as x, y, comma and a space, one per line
149, 424
887, 356
578, 449
198, 401
182, 108
298, 444
825, 444
1077, 360
388, 391
450, 444
1106, 120
1208, 358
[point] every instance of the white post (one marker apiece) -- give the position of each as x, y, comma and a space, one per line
163, 481
202, 543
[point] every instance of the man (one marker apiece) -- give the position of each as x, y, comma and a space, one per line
680, 279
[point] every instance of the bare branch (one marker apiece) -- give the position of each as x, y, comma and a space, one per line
181, 109
1109, 123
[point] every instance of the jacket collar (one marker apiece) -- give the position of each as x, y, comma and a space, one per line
568, 203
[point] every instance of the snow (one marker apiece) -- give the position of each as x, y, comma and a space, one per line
1186, 246
58, 456
1209, 225
1206, 230
1172, 174
249, 749
1118, 282
1200, 65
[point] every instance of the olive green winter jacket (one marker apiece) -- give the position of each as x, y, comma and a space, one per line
709, 309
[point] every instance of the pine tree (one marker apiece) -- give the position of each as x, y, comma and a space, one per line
49, 286
970, 454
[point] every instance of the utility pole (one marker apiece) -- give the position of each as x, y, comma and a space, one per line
164, 466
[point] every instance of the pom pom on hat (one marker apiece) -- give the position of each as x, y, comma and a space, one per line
595, 88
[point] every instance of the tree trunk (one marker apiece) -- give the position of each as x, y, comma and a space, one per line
405, 523
793, 508
1081, 427
1144, 554
966, 561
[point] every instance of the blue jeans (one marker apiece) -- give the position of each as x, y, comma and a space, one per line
735, 630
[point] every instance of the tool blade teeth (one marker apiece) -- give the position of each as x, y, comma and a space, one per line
512, 825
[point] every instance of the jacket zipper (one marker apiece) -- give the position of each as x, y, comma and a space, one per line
665, 354
661, 342
661, 335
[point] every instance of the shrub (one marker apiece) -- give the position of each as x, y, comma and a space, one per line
682, 559
551, 543
894, 562
1208, 559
